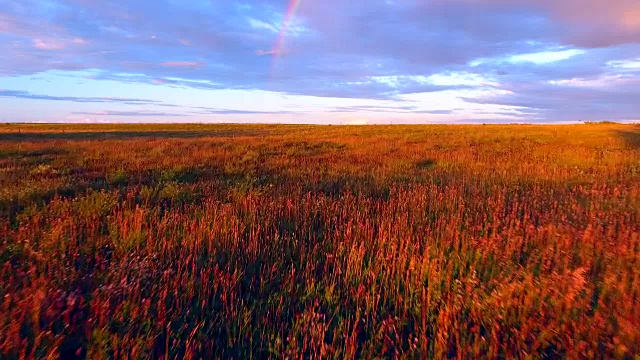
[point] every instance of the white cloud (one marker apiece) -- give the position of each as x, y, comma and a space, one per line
261, 25
542, 57
546, 57
459, 78
625, 64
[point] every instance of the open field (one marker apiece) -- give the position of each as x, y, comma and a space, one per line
253, 241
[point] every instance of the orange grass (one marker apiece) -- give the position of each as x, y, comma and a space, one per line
229, 241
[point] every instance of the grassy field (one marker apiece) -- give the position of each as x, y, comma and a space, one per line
230, 241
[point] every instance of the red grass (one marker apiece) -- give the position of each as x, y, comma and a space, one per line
275, 241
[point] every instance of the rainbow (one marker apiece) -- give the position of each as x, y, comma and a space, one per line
278, 49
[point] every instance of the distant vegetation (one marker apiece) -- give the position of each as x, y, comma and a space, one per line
311, 242
600, 122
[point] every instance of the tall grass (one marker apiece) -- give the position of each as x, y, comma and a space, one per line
319, 242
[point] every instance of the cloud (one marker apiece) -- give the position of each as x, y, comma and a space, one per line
585, 23
214, 111
182, 63
572, 100
48, 44
357, 49
127, 113
262, 25
435, 112
269, 52
28, 95
188, 110
51, 44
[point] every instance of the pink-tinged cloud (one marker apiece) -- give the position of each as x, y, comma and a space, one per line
5, 26
609, 16
27, 26
52, 44
48, 44
581, 23
182, 63
11, 25
79, 41
631, 18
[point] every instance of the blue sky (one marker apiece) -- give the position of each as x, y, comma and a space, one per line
330, 61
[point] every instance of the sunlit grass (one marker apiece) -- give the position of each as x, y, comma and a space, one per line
231, 241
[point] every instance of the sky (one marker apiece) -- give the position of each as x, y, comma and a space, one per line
320, 61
